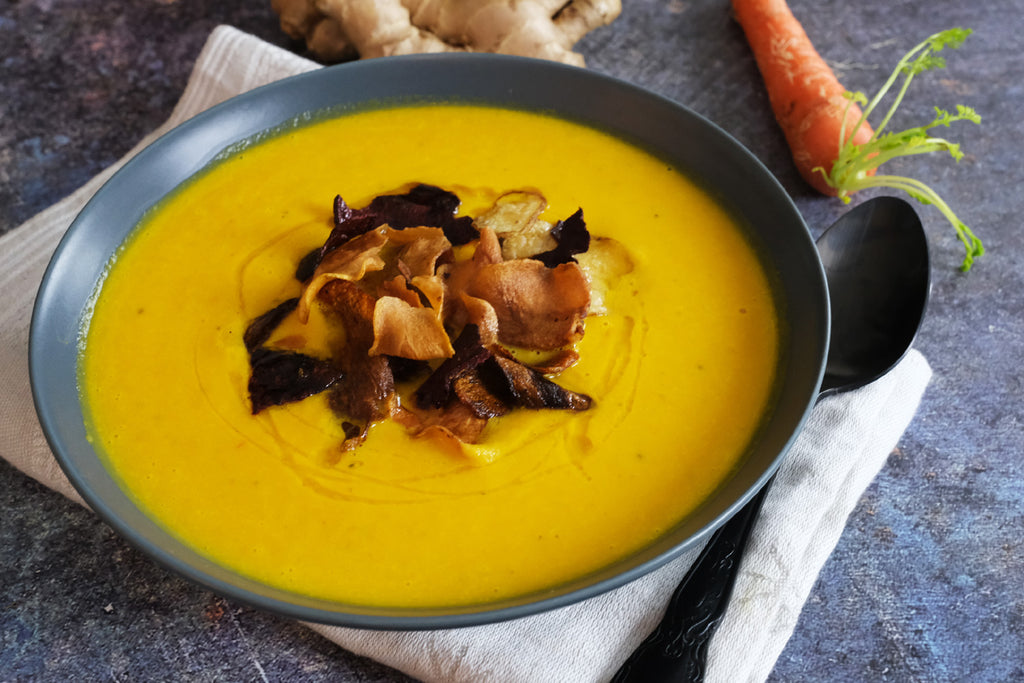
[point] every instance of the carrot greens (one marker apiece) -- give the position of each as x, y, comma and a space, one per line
855, 165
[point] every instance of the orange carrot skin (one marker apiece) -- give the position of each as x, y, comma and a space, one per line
805, 95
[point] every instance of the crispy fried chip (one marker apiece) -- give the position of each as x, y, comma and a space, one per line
531, 389
604, 263
572, 237
350, 262
488, 249
421, 249
553, 363
472, 391
456, 425
398, 287
431, 292
537, 307
513, 212
422, 205
515, 218
401, 329
259, 330
366, 392
436, 390
458, 277
280, 377
481, 313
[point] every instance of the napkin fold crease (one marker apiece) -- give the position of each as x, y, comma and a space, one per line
843, 445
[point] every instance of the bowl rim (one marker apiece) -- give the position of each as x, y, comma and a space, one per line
202, 140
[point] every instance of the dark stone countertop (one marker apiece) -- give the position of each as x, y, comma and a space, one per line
925, 582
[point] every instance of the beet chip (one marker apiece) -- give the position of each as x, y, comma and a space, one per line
423, 205
572, 237
472, 390
366, 394
260, 329
436, 390
280, 377
531, 389
308, 263
346, 226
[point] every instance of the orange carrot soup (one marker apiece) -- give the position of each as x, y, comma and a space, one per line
678, 357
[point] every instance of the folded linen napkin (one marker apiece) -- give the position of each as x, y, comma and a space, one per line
845, 442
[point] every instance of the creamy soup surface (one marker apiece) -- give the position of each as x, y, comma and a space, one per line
680, 369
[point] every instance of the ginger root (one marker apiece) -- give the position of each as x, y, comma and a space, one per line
335, 30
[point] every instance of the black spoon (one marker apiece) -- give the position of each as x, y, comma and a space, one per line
876, 264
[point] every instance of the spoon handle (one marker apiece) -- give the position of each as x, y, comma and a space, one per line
677, 649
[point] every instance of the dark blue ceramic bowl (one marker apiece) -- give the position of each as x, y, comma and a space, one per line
684, 139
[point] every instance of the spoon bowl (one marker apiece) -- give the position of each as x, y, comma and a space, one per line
876, 265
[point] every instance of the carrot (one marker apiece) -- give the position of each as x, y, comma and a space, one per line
832, 145
806, 97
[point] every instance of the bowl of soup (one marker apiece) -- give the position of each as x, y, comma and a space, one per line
681, 378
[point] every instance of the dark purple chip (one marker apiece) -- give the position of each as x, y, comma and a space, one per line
473, 391
407, 369
423, 205
351, 429
436, 390
308, 263
260, 329
280, 377
572, 237
529, 388
349, 223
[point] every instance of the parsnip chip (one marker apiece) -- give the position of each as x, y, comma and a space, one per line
526, 244
431, 291
481, 313
515, 218
604, 264
455, 422
537, 307
458, 277
488, 249
398, 287
421, 248
513, 212
400, 329
351, 261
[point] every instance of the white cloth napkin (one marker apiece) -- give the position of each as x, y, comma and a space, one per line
844, 444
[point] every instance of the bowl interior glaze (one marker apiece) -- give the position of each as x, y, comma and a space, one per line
694, 145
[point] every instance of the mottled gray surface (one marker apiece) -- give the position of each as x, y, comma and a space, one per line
925, 583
